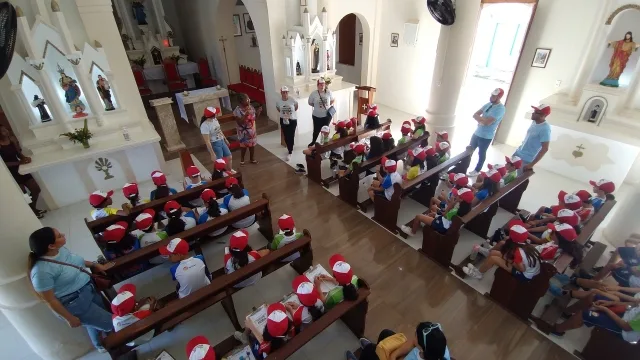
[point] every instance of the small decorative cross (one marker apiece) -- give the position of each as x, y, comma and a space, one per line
580, 147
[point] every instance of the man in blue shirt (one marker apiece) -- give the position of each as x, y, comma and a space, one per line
488, 118
536, 143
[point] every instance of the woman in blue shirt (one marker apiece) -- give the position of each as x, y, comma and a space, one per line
67, 290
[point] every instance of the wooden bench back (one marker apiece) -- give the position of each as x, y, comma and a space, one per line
217, 287
260, 208
359, 135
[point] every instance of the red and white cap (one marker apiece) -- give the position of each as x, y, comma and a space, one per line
406, 128
239, 240
208, 195
199, 348
499, 168
285, 222
420, 120
359, 148
465, 194
98, 197
607, 186
584, 195
497, 92
418, 153
567, 216
321, 81
443, 134
543, 108
341, 124
515, 161
459, 179
373, 107
386, 135
325, 129
145, 220
517, 232
171, 206
304, 289
125, 302
442, 146
572, 202
129, 190
349, 124
158, 178
231, 181
193, 171
493, 174
341, 269
114, 233
220, 164
284, 88
565, 230
430, 151
176, 246
211, 111
390, 166
277, 319
372, 113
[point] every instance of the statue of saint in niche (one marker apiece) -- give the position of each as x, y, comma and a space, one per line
622, 50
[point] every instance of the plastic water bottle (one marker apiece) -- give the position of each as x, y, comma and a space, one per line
125, 133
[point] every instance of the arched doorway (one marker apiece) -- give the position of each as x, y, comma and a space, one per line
350, 54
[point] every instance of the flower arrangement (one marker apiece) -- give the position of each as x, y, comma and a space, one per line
176, 58
141, 61
80, 135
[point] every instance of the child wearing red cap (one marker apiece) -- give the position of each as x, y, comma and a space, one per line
603, 189
286, 235
118, 241
211, 210
190, 271
237, 198
512, 254
513, 164
101, 201
341, 132
420, 126
460, 205
220, 172
130, 191
385, 188
162, 189
388, 143
344, 277
359, 150
199, 348
445, 195
214, 138
194, 178
416, 162
180, 218
148, 232
126, 311
442, 136
239, 254
443, 148
490, 185
278, 330
310, 308
373, 120
407, 133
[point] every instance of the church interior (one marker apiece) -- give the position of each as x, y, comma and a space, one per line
100, 96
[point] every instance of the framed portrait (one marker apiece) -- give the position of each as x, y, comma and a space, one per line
248, 24
360, 38
237, 25
541, 57
395, 39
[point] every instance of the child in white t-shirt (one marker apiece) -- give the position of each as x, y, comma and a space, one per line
239, 254
127, 311
148, 235
211, 210
190, 272
237, 198
180, 218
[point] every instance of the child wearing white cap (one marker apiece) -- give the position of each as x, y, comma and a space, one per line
220, 172
101, 201
148, 233
127, 311
210, 211
190, 271
385, 188
287, 235
162, 189
323, 140
288, 107
239, 254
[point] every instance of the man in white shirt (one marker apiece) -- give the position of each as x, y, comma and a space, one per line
288, 107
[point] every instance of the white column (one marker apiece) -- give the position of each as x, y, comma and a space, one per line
124, 10
48, 336
323, 54
454, 51
633, 90
624, 221
40, 8
308, 60
158, 12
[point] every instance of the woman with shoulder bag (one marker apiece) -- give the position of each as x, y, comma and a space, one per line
322, 103
59, 278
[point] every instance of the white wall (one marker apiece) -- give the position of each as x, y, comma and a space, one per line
171, 17
350, 73
568, 37
246, 55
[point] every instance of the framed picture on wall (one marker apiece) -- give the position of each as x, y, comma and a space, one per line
360, 38
248, 23
541, 58
237, 25
395, 39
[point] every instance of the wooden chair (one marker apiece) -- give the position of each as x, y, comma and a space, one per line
205, 75
141, 82
172, 76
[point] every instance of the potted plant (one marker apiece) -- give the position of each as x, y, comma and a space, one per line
176, 58
141, 61
80, 135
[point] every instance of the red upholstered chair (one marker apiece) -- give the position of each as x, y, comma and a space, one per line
205, 74
172, 76
260, 82
141, 82
243, 74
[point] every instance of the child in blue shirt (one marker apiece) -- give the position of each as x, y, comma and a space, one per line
162, 189
190, 272
603, 189
180, 218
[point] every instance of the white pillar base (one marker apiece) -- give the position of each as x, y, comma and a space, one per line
625, 220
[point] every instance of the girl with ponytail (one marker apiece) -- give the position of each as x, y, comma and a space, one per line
211, 210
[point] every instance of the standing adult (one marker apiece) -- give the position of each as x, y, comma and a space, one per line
56, 276
246, 116
214, 138
488, 117
288, 108
321, 101
13, 157
536, 143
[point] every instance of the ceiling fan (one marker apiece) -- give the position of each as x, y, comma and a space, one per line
444, 11
8, 32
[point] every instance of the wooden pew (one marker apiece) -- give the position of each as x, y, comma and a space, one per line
349, 184
604, 344
386, 211
439, 247
197, 235
183, 197
352, 313
314, 162
221, 289
511, 201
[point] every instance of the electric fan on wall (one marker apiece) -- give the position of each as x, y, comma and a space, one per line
8, 32
443, 11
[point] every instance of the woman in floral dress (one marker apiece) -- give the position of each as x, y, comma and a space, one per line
246, 115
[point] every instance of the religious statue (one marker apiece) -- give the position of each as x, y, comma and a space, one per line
72, 94
138, 12
622, 50
105, 92
593, 117
39, 103
298, 68
316, 56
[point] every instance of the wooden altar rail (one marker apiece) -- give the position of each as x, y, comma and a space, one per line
314, 162
386, 211
604, 344
183, 197
352, 313
221, 289
349, 185
197, 235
